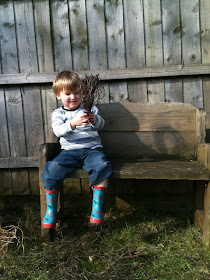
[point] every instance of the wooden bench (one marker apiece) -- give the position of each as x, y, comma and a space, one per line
152, 141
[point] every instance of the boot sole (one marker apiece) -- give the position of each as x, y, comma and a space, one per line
48, 225
96, 221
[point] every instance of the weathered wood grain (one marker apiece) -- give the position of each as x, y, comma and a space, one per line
4, 139
97, 40
205, 38
96, 34
115, 46
200, 126
13, 100
135, 47
31, 95
172, 47
61, 35
79, 40
45, 63
161, 169
191, 50
113, 74
19, 162
32, 111
43, 35
149, 144
154, 49
129, 116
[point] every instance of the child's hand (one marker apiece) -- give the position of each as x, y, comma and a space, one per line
91, 117
79, 120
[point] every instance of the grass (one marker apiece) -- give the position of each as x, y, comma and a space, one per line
132, 244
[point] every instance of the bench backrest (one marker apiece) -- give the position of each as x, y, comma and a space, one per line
160, 130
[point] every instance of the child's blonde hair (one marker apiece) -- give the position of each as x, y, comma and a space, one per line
67, 80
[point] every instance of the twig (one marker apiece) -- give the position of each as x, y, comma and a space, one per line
91, 91
8, 235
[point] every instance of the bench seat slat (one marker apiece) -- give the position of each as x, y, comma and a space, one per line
160, 169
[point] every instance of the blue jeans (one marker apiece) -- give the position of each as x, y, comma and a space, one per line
93, 161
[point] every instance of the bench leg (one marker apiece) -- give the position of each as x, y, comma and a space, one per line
199, 187
206, 212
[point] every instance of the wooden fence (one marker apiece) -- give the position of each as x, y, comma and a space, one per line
144, 50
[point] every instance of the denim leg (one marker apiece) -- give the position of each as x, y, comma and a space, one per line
57, 170
97, 166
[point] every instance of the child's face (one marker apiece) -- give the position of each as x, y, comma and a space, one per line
69, 99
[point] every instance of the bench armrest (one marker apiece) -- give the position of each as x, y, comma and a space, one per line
203, 154
48, 151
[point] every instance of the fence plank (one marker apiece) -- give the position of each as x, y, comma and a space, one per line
97, 39
154, 52
79, 41
4, 139
115, 46
30, 95
205, 30
20, 162
61, 35
172, 47
113, 74
46, 64
135, 47
32, 110
191, 50
13, 100
43, 35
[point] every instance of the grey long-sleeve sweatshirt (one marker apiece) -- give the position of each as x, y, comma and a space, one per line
84, 136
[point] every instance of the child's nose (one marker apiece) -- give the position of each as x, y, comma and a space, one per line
72, 95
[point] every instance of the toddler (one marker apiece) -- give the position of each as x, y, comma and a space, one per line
81, 148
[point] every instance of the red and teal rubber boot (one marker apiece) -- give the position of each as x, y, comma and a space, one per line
51, 214
97, 216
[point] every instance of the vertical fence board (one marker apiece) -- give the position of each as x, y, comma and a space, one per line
13, 102
61, 35
135, 52
43, 35
29, 63
191, 50
4, 139
205, 48
5, 176
115, 46
154, 50
5, 53
97, 39
45, 62
172, 47
79, 41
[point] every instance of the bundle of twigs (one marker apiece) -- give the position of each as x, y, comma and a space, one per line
8, 235
91, 91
